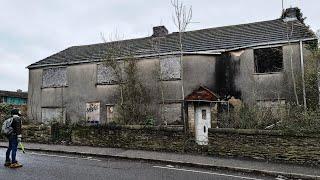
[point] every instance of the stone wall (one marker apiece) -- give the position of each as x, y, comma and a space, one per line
265, 145
34, 133
253, 144
172, 139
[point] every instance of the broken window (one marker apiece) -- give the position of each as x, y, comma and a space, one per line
54, 77
268, 60
170, 68
106, 75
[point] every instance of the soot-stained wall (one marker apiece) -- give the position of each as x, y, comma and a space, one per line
227, 68
226, 74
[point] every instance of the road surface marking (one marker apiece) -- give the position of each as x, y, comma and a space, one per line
69, 157
205, 172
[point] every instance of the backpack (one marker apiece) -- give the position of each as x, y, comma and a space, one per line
6, 127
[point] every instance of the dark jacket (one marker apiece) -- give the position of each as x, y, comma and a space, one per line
16, 125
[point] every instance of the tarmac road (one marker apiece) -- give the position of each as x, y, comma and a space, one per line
38, 165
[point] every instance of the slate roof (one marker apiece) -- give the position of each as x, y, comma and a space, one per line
212, 39
23, 95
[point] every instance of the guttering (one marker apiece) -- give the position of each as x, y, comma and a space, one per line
268, 44
137, 56
206, 52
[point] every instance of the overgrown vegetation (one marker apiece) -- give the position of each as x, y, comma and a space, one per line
5, 110
133, 102
5, 113
292, 117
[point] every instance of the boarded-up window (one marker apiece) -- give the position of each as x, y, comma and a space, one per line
271, 103
52, 114
106, 75
93, 113
54, 77
171, 113
170, 68
110, 113
268, 60
276, 106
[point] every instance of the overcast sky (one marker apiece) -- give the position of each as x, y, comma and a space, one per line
34, 29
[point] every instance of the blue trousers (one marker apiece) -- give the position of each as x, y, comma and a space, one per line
13, 146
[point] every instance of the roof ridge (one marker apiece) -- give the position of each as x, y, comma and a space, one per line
214, 38
174, 33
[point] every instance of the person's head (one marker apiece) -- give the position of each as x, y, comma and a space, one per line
16, 112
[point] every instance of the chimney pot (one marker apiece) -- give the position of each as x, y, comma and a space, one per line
159, 31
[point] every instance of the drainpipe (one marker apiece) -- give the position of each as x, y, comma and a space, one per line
302, 74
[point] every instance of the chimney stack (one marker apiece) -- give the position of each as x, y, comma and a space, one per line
159, 31
291, 14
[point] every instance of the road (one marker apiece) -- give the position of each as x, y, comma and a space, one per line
39, 165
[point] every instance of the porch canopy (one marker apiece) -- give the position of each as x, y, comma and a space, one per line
202, 94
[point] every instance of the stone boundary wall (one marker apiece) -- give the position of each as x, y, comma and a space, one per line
34, 134
254, 144
265, 145
171, 139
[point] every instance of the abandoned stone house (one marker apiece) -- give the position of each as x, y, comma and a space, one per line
252, 62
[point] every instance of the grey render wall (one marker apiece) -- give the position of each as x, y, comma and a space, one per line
270, 86
34, 94
82, 88
197, 70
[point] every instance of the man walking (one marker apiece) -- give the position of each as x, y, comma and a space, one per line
14, 139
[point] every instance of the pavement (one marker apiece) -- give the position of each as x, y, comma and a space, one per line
187, 160
57, 166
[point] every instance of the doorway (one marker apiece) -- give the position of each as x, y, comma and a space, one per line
202, 124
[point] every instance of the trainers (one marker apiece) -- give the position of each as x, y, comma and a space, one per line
15, 165
7, 163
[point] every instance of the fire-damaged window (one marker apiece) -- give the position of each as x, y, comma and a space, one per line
170, 68
268, 60
54, 77
106, 75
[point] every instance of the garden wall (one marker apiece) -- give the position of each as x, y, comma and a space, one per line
171, 139
253, 144
34, 134
265, 145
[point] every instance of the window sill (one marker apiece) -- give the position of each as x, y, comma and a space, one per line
106, 84
268, 73
54, 87
173, 79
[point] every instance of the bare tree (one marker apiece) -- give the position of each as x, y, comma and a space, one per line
182, 18
111, 59
133, 106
